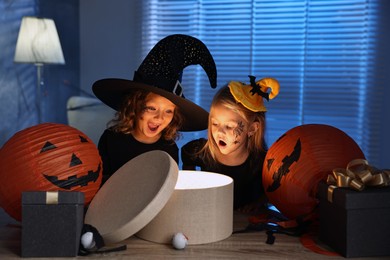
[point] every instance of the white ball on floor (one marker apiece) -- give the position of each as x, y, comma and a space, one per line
87, 240
179, 241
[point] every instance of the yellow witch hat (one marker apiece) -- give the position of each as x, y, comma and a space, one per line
245, 94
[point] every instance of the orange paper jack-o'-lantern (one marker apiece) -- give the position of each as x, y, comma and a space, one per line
47, 157
299, 160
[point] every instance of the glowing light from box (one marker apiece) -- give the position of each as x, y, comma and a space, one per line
190, 180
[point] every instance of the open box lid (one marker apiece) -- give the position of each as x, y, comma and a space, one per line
133, 196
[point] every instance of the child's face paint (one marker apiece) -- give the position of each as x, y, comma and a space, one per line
238, 130
229, 130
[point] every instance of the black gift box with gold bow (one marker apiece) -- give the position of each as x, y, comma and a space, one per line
355, 223
51, 223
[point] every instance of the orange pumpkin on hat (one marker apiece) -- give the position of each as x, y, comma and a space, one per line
47, 157
299, 160
245, 94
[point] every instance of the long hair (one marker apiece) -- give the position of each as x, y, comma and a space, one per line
255, 144
132, 108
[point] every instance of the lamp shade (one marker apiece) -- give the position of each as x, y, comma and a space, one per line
38, 42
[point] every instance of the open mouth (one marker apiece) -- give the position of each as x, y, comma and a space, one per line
221, 143
153, 127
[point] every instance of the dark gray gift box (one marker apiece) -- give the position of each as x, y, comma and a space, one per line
355, 223
51, 223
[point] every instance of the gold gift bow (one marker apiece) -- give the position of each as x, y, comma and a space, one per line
357, 176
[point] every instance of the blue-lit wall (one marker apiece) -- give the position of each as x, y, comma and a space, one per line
115, 52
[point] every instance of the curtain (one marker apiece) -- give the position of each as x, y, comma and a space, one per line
322, 52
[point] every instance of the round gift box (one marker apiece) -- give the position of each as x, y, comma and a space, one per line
133, 196
201, 207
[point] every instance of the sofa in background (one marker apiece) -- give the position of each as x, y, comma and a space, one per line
89, 115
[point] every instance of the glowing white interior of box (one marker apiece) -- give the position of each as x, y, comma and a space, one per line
188, 180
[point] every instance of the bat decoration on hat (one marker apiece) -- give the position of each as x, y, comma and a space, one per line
256, 88
251, 96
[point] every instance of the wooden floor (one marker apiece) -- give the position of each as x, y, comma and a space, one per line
238, 246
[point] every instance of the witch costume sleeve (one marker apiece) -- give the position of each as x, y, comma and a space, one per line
190, 154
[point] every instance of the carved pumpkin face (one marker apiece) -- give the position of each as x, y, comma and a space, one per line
299, 160
47, 157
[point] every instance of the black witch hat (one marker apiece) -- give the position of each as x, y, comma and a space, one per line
161, 73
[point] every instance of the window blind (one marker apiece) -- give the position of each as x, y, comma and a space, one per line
321, 51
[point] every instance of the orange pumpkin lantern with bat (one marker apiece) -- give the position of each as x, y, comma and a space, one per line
47, 157
299, 160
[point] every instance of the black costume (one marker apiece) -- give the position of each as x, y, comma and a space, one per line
247, 177
117, 148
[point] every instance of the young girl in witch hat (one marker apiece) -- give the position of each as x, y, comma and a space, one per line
235, 144
151, 108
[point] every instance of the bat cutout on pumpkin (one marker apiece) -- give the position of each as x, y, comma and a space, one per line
284, 169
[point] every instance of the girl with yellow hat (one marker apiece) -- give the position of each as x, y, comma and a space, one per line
235, 146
